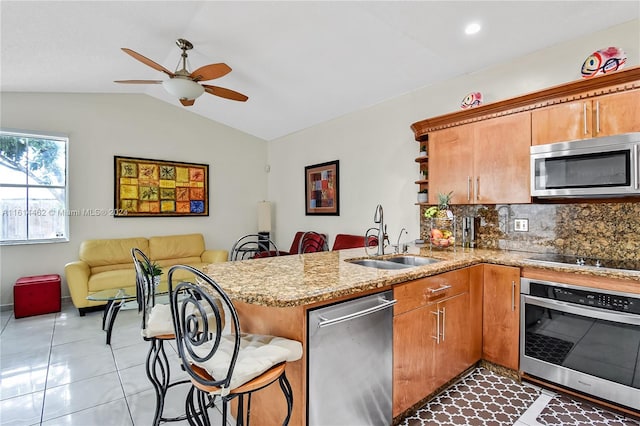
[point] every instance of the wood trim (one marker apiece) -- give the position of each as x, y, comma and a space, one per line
628, 79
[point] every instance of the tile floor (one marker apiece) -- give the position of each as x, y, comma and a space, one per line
56, 369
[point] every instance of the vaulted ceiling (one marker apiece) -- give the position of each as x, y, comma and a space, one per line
300, 63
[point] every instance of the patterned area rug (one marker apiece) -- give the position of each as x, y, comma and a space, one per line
482, 398
568, 412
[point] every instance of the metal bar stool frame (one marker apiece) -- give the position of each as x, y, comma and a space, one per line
253, 245
190, 304
312, 242
157, 363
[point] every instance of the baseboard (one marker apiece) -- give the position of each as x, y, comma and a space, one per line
9, 306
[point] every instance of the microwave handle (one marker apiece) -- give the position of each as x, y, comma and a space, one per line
585, 311
637, 166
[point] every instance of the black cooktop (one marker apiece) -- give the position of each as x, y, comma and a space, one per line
628, 265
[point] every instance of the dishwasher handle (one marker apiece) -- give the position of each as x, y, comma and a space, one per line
324, 322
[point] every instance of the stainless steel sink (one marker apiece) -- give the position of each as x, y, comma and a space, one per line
395, 262
412, 260
379, 264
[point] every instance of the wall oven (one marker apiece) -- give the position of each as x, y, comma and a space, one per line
599, 167
582, 338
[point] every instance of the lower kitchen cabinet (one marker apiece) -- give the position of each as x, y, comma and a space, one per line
433, 335
501, 315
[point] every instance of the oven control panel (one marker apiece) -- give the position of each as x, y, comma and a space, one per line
613, 302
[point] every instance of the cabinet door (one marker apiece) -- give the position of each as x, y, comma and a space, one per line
501, 313
414, 354
451, 163
501, 160
561, 123
617, 113
452, 347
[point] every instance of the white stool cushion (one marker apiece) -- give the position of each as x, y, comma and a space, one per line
258, 353
159, 322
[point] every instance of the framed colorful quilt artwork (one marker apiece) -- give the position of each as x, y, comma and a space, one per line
145, 187
321, 189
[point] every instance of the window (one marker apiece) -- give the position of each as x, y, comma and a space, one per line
33, 187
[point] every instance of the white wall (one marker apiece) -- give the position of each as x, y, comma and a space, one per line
376, 146
101, 126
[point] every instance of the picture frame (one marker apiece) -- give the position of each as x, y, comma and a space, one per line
145, 187
322, 189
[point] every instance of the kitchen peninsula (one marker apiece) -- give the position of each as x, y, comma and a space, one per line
273, 295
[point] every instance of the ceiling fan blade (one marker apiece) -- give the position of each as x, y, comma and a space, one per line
187, 102
147, 61
210, 72
139, 81
225, 93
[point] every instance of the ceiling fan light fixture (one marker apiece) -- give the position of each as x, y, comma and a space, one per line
183, 88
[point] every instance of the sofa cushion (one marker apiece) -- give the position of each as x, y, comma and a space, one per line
176, 246
108, 252
118, 278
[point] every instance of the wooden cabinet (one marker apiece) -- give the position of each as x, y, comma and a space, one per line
604, 115
432, 341
501, 315
482, 163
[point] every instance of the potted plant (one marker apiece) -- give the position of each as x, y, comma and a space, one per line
423, 150
154, 270
423, 196
424, 174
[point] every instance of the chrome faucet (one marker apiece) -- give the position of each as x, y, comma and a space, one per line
378, 217
404, 246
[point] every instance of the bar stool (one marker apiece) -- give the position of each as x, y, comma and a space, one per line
157, 327
253, 246
221, 360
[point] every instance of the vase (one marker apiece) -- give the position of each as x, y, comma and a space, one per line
423, 197
156, 280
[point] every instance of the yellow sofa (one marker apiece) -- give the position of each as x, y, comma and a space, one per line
107, 264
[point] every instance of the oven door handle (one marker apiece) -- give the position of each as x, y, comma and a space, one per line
585, 311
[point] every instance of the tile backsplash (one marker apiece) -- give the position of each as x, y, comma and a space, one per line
599, 230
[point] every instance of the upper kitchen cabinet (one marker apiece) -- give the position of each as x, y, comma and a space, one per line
604, 115
486, 162
482, 153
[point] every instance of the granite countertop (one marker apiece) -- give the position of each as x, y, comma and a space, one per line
315, 277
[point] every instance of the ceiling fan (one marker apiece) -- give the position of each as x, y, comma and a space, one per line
184, 84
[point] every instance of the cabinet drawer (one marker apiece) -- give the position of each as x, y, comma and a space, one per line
424, 291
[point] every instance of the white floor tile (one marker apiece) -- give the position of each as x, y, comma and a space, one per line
132, 355
77, 396
22, 379
87, 348
115, 413
22, 410
143, 404
76, 368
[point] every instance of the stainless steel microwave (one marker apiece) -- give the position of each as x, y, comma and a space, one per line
598, 167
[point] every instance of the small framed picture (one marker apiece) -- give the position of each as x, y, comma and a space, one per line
321, 188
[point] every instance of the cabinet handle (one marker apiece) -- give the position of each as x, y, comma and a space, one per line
437, 336
584, 117
513, 296
597, 117
439, 289
477, 188
468, 188
443, 322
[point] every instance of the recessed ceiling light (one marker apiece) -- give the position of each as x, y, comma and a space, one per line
472, 28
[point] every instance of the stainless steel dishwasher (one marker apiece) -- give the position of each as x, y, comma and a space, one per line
350, 356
